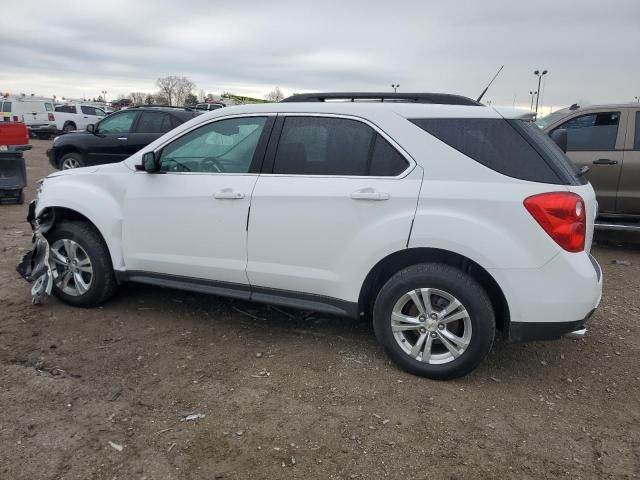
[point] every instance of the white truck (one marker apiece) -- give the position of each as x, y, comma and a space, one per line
35, 112
76, 116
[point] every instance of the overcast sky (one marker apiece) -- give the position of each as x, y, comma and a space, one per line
75, 48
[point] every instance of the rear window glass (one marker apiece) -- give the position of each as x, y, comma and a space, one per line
386, 161
500, 145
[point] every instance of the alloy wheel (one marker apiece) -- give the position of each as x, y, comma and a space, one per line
69, 163
431, 325
71, 267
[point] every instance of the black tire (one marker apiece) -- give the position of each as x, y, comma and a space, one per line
71, 156
69, 127
103, 283
459, 285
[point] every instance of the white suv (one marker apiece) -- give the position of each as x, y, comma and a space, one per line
437, 217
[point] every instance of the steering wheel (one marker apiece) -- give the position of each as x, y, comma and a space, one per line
211, 164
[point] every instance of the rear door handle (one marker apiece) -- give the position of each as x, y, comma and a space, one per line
369, 194
605, 161
228, 194
122, 138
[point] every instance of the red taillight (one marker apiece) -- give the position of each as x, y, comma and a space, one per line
562, 216
52, 118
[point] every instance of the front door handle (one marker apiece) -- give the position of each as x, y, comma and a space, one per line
228, 194
369, 194
605, 161
122, 138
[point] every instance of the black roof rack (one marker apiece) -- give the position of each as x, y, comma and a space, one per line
188, 109
435, 98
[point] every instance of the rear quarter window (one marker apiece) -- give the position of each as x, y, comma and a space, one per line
501, 145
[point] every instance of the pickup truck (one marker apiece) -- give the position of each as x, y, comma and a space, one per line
605, 138
75, 116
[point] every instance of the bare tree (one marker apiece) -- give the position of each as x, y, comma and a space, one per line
274, 95
175, 89
148, 99
138, 97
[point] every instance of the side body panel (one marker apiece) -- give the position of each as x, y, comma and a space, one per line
629, 188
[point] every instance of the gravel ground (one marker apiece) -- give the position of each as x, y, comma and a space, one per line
110, 393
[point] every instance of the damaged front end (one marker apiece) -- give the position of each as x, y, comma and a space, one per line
34, 265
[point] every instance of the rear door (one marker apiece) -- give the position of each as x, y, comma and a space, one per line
149, 126
596, 140
629, 187
334, 197
110, 142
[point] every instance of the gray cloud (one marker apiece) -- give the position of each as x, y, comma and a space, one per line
76, 48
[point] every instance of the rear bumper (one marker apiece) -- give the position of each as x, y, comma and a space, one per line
45, 128
556, 299
531, 331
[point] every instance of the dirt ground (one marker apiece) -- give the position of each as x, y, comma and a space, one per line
106, 393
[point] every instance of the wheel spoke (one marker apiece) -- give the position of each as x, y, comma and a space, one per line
81, 286
402, 323
58, 258
426, 353
415, 296
417, 348
455, 316
64, 280
458, 341
70, 248
453, 305
448, 339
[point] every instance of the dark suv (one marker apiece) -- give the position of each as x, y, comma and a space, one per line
117, 136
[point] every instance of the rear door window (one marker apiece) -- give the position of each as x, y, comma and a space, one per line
334, 146
117, 123
88, 110
592, 132
154, 122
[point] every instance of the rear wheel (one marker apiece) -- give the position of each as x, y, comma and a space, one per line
434, 321
69, 127
80, 264
71, 160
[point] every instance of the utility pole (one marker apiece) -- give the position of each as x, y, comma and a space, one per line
395, 87
539, 75
637, 99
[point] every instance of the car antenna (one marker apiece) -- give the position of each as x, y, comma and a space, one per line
487, 87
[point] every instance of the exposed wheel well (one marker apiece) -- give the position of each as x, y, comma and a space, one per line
69, 122
395, 262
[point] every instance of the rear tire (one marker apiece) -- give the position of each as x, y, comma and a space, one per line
448, 334
81, 265
71, 160
69, 127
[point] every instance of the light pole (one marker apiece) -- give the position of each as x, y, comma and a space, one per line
539, 75
104, 95
637, 99
395, 87
532, 95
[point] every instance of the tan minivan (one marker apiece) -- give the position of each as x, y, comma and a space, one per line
606, 138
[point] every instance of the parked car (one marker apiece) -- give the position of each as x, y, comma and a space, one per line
209, 106
36, 113
115, 137
76, 116
435, 216
605, 138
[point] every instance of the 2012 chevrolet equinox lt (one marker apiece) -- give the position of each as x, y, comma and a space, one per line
439, 218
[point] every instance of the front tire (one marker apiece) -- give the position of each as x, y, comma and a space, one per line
434, 321
71, 160
81, 265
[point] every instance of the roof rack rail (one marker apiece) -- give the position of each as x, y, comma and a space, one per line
161, 106
434, 98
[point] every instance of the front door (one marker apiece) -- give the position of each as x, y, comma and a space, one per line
189, 221
110, 142
337, 198
596, 141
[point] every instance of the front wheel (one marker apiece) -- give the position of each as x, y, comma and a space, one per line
434, 321
71, 160
80, 264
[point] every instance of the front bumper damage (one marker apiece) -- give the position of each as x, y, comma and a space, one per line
34, 265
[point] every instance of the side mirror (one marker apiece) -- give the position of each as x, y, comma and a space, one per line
149, 162
91, 128
560, 137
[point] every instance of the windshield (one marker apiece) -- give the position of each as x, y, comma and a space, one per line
551, 118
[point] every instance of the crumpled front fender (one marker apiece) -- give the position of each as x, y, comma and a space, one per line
34, 265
